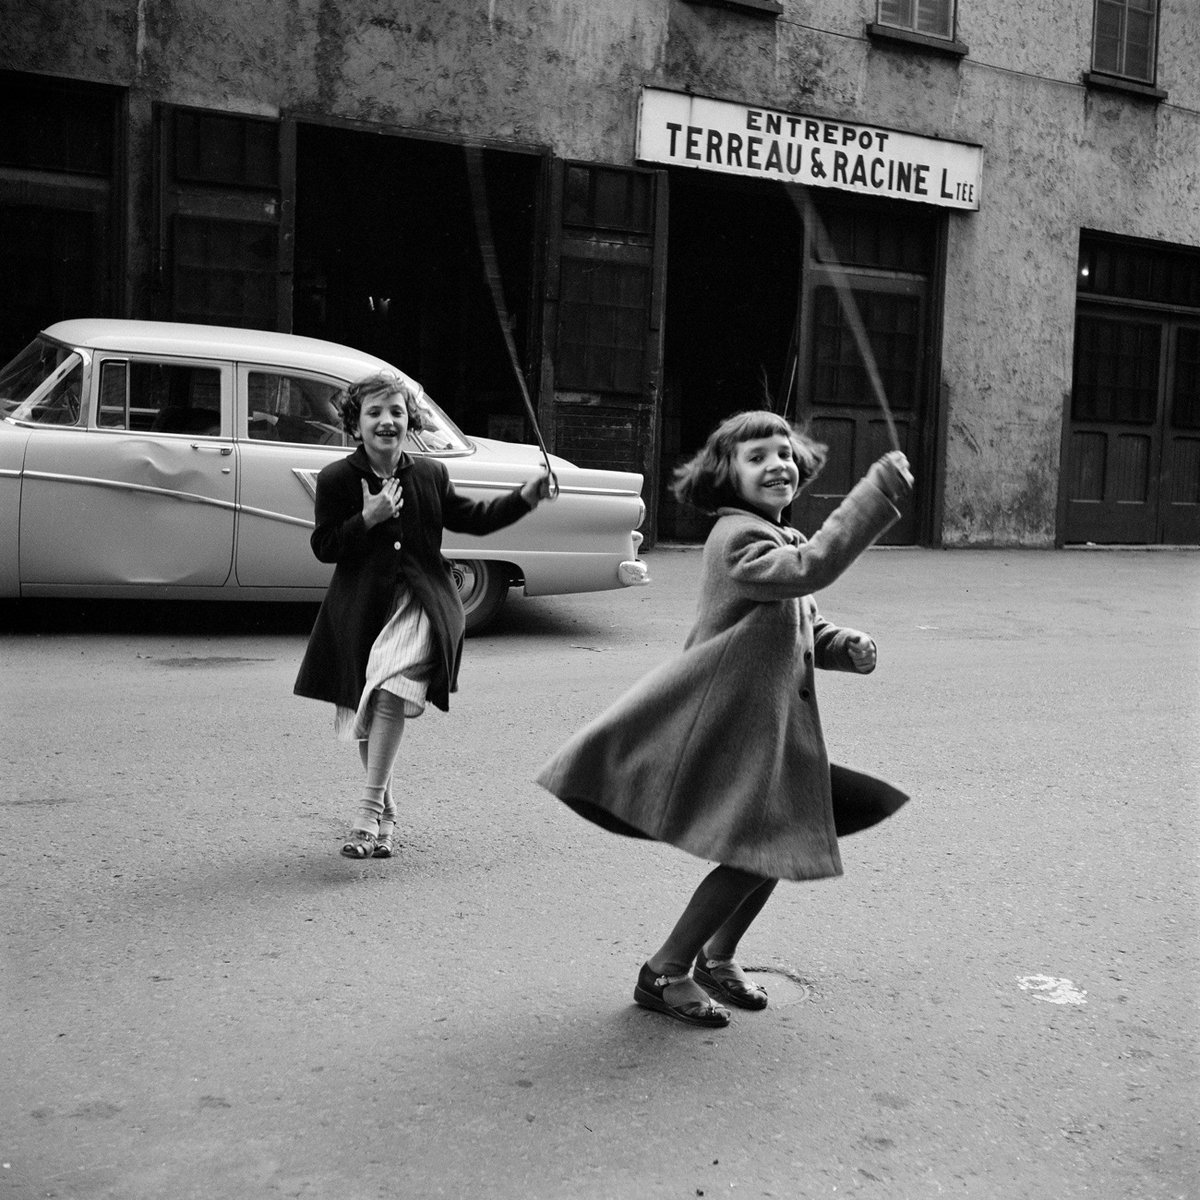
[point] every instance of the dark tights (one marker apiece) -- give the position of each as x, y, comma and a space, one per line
720, 911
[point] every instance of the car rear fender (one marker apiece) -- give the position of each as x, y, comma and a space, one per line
574, 543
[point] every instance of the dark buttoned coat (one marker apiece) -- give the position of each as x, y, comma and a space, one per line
720, 751
369, 562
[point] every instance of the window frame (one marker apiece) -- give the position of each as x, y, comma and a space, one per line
595, 350
764, 8
882, 30
102, 362
1125, 6
254, 430
1105, 78
199, 205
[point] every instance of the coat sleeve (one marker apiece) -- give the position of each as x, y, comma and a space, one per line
478, 517
340, 534
762, 569
830, 644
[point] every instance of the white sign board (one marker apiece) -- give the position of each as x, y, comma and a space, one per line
738, 139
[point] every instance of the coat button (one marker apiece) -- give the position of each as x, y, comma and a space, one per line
808, 656
396, 546
805, 693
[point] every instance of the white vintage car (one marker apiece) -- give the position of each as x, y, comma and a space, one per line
148, 459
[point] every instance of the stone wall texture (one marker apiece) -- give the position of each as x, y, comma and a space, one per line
1058, 157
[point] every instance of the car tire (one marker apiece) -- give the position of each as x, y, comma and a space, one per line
482, 588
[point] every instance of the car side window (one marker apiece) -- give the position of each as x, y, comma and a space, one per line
293, 408
155, 397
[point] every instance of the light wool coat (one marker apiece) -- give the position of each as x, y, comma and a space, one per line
720, 751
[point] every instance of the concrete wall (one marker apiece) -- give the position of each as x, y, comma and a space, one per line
566, 73
548, 72
1058, 157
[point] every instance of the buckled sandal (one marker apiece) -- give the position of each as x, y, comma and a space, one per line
724, 978
383, 845
651, 992
359, 844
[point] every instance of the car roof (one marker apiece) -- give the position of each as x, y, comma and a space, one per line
217, 341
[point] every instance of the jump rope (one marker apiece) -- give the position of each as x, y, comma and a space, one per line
825, 253
821, 243
491, 268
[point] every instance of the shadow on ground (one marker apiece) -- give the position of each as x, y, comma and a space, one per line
518, 618
37, 616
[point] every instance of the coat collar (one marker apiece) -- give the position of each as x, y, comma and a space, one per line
794, 536
362, 464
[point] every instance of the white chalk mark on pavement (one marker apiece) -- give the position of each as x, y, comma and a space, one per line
1052, 990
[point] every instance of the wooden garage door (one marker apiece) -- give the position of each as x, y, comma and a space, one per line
885, 258
1132, 467
604, 317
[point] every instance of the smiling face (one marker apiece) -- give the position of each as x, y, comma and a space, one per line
382, 426
765, 474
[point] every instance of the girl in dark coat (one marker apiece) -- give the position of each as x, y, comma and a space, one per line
720, 751
389, 633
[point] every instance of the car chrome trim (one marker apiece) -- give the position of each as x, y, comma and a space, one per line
268, 514
120, 485
633, 573
424, 450
574, 491
308, 479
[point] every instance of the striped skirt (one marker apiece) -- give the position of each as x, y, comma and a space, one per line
402, 660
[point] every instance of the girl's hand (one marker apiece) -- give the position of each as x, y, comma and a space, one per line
892, 476
533, 491
897, 461
384, 505
861, 649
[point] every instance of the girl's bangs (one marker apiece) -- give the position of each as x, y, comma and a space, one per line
748, 426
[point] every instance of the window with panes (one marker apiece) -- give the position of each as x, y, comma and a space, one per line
221, 195
604, 290
933, 18
891, 319
1124, 41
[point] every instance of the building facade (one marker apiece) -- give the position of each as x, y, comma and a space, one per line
932, 225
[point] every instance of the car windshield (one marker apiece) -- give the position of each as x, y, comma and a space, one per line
440, 434
42, 384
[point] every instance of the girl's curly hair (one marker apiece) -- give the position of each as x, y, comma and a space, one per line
705, 481
357, 394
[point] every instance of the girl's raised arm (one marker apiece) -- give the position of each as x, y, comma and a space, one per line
764, 570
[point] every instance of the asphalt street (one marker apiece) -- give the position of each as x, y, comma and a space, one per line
999, 1000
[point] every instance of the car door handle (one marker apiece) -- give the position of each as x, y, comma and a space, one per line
217, 449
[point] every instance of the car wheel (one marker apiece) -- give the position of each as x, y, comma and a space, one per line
482, 587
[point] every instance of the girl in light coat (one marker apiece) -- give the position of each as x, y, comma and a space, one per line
720, 751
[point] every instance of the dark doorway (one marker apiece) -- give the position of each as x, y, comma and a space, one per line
733, 270
1131, 454
756, 318
60, 246
387, 260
